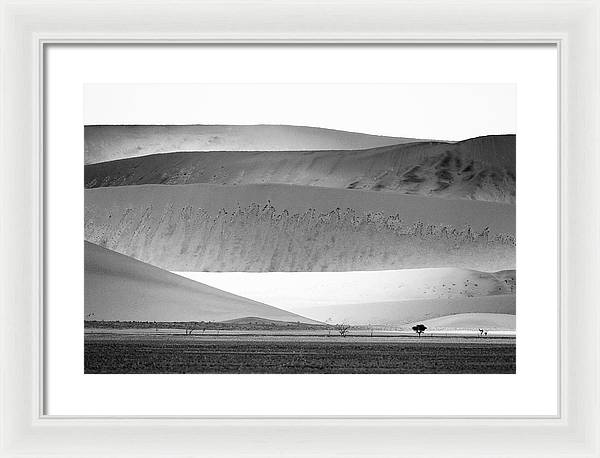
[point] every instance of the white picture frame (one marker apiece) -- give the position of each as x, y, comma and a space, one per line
27, 27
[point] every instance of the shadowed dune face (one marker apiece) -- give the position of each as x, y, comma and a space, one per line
404, 312
118, 287
107, 143
481, 168
179, 228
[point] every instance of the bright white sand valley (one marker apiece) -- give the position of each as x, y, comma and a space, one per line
298, 290
375, 297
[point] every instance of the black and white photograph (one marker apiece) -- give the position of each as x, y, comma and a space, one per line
352, 238
286, 229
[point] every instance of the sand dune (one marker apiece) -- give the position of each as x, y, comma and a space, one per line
118, 287
298, 290
266, 228
107, 143
499, 218
487, 321
405, 312
253, 320
481, 168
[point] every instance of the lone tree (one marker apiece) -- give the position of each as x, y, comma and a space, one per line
419, 329
342, 329
189, 328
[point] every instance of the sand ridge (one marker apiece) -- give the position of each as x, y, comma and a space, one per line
482, 168
111, 142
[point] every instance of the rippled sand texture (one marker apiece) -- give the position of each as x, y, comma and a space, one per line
169, 226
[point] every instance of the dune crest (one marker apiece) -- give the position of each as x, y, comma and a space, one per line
111, 142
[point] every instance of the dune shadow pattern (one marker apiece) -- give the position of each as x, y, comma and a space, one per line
261, 238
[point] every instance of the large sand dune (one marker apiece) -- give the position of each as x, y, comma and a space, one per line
110, 142
481, 168
404, 312
268, 228
121, 288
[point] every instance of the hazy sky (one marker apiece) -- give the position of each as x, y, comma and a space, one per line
436, 111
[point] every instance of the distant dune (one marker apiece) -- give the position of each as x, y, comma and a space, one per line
110, 142
404, 312
482, 168
298, 290
121, 288
473, 321
297, 228
253, 320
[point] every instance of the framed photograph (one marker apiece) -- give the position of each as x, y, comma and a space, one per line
289, 229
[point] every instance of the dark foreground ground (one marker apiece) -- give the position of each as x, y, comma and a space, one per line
138, 353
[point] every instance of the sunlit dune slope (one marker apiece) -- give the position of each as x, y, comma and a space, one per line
121, 288
481, 168
265, 228
404, 312
472, 321
110, 142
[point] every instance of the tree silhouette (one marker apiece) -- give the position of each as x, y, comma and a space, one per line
419, 329
190, 327
342, 329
